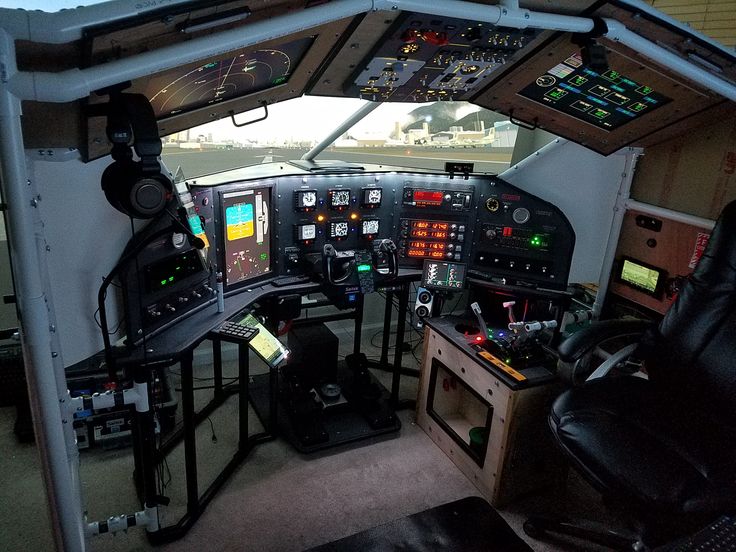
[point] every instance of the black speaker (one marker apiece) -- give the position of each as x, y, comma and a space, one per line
423, 306
136, 188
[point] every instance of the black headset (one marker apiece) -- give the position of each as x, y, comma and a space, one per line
136, 188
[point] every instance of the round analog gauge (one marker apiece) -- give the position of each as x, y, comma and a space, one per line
339, 229
370, 227
374, 196
340, 198
492, 204
546, 80
307, 199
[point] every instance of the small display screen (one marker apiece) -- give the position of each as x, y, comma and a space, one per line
371, 197
247, 242
369, 227
338, 230
306, 232
606, 100
339, 199
647, 279
443, 275
306, 200
428, 197
169, 272
265, 344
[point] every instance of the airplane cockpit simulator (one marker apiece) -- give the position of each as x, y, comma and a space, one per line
369, 275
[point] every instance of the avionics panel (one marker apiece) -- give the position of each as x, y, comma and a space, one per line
520, 239
244, 250
435, 220
349, 211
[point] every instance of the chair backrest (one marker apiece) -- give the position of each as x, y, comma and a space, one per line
693, 351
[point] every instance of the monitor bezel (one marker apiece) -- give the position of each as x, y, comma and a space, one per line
220, 232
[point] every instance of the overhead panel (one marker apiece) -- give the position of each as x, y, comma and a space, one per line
630, 101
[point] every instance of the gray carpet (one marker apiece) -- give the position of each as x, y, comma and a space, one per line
278, 500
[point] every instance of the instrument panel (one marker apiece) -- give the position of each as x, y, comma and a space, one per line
505, 235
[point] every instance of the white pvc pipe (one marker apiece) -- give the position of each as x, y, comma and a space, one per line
496, 15
619, 33
73, 84
362, 112
68, 25
619, 210
52, 436
669, 214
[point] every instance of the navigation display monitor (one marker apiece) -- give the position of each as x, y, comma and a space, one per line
239, 74
443, 275
246, 239
606, 100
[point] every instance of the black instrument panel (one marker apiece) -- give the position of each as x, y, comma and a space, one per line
504, 234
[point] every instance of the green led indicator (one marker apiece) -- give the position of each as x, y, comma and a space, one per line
264, 256
163, 282
364, 267
280, 80
178, 268
535, 241
171, 278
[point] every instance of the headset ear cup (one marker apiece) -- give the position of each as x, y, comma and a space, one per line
133, 193
149, 195
116, 180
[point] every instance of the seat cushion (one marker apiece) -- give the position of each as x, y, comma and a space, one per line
640, 445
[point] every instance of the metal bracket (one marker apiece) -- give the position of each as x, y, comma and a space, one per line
264, 105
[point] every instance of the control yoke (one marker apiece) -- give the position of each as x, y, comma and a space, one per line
343, 268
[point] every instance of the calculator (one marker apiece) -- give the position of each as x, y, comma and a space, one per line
237, 331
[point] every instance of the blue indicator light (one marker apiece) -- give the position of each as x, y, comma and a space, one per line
570, 88
617, 88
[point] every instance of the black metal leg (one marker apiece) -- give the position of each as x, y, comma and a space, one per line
358, 325
217, 366
190, 443
387, 315
400, 324
273, 389
243, 376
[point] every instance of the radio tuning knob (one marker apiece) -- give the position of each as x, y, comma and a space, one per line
490, 234
169, 308
448, 197
196, 294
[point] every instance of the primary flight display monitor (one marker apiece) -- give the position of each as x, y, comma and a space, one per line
246, 251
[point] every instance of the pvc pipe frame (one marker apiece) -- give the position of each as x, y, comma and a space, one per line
74, 84
53, 433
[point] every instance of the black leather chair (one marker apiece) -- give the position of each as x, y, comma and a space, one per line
662, 448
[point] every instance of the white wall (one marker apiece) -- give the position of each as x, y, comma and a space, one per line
85, 236
584, 185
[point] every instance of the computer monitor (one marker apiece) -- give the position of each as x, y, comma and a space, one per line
441, 275
245, 219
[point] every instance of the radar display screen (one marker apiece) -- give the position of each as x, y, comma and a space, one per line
443, 275
606, 100
240, 74
247, 242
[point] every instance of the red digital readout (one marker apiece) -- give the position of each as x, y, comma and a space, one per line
428, 245
438, 235
427, 225
432, 254
508, 231
429, 197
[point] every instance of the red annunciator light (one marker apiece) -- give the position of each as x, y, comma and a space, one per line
507, 231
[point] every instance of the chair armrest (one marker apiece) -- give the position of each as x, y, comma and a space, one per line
583, 341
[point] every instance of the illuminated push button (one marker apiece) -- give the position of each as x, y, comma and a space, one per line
448, 197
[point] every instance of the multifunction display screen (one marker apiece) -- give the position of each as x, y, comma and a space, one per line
247, 249
606, 100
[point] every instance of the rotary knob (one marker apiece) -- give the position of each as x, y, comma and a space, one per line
490, 234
